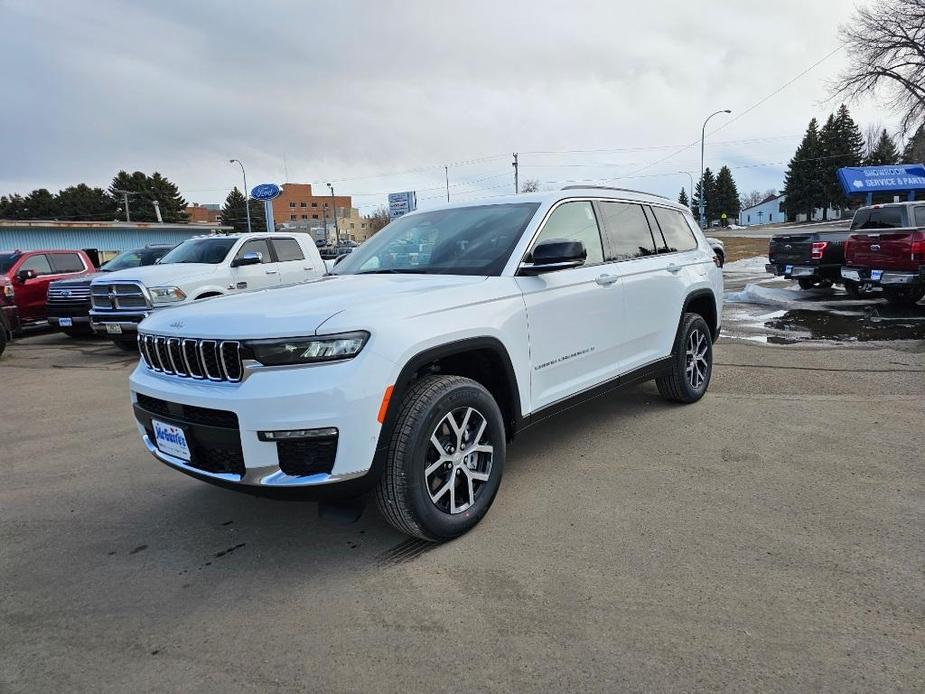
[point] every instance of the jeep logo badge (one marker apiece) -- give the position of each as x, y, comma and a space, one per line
177, 324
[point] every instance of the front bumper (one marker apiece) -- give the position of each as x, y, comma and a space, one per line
345, 396
885, 278
116, 323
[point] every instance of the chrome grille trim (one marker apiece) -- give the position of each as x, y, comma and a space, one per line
198, 359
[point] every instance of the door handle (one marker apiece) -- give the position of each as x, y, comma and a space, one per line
672, 268
271, 272
607, 280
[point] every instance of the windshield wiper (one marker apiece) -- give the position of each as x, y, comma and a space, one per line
394, 271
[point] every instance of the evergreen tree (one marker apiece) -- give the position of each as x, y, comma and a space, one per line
234, 212
841, 144
81, 202
40, 204
144, 190
12, 207
914, 151
682, 198
883, 153
803, 180
726, 197
709, 182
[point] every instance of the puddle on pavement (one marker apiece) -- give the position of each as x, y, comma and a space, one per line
874, 323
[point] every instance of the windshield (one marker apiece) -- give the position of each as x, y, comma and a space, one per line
474, 240
6, 262
210, 251
136, 258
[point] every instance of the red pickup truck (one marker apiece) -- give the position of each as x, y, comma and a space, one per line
30, 273
888, 250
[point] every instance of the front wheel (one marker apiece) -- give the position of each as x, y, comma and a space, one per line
445, 459
906, 296
805, 283
692, 362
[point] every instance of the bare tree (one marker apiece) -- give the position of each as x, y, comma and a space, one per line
886, 51
531, 185
378, 219
753, 198
871, 138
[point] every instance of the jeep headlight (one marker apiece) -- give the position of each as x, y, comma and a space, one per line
166, 295
307, 350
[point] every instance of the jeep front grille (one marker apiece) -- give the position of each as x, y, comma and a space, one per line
213, 360
118, 295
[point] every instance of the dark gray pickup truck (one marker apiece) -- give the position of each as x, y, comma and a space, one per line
814, 259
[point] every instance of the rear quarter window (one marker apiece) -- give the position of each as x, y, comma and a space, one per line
677, 234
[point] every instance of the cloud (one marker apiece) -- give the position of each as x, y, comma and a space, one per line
347, 89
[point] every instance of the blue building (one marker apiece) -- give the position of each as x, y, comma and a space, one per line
102, 239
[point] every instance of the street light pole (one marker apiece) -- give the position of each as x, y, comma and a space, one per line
703, 192
334, 212
247, 195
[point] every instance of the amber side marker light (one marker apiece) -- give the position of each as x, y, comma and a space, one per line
384, 407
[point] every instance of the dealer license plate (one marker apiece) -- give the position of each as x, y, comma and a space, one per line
876, 274
65, 322
788, 269
170, 440
113, 329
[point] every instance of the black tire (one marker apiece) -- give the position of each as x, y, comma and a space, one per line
126, 345
3, 338
721, 258
404, 494
805, 283
853, 289
676, 386
77, 332
907, 296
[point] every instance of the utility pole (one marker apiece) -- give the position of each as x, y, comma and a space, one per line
334, 212
157, 211
516, 180
125, 194
446, 172
247, 194
703, 191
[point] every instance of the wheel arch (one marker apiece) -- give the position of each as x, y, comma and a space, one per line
703, 303
208, 294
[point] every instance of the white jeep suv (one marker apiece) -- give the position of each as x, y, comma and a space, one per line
200, 268
408, 369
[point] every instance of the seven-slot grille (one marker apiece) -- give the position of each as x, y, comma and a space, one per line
118, 295
71, 295
213, 360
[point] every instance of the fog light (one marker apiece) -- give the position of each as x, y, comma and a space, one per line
297, 434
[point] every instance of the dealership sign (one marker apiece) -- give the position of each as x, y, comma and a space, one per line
402, 203
266, 191
887, 179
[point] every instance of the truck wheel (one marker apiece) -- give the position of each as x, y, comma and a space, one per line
3, 338
126, 345
853, 289
692, 362
906, 296
805, 283
445, 459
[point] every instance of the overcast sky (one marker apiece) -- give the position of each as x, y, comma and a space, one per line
344, 91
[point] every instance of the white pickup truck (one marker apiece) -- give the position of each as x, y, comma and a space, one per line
200, 268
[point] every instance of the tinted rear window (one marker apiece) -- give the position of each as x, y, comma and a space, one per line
288, 249
66, 262
878, 218
678, 236
920, 216
627, 230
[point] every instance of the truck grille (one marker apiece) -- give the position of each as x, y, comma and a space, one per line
118, 295
213, 360
79, 296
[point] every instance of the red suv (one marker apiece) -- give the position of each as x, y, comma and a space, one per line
30, 273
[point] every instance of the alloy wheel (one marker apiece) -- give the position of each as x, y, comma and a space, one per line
458, 460
696, 365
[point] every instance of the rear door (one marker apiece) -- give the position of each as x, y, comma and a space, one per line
291, 261
574, 316
261, 276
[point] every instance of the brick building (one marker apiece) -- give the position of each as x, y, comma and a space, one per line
298, 203
203, 214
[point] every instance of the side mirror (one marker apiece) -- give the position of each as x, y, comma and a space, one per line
552, 255
24, 275
249, 258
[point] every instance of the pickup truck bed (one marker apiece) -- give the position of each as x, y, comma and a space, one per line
812, 258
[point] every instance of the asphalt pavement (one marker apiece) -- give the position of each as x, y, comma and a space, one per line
768, 538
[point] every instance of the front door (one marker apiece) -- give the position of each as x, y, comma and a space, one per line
261, 276
573, 315
32, 295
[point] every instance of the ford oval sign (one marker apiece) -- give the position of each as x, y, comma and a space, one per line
265, 191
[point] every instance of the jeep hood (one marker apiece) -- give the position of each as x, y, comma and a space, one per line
171, 274
303, 308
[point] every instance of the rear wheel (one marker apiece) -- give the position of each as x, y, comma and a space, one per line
445, 459
906, 296
692, 362
3, 338
853, 289
805, 283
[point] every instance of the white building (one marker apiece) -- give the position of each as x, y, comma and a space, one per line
771, 211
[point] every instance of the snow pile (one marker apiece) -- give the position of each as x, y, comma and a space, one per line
771, 296
752, 266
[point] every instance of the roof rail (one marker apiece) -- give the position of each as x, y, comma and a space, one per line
622, 190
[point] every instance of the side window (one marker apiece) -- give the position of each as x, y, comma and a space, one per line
627, 229
678, 235
920, 216
38, 264
66, 262
288, 249
256, 246
575, 221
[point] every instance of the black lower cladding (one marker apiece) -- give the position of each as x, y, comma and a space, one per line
213, 435
307, 456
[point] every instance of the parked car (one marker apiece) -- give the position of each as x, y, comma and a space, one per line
69, 300
30, 273
719, 249
812, 258
887, 250
199, 268
409, 377
9, 314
